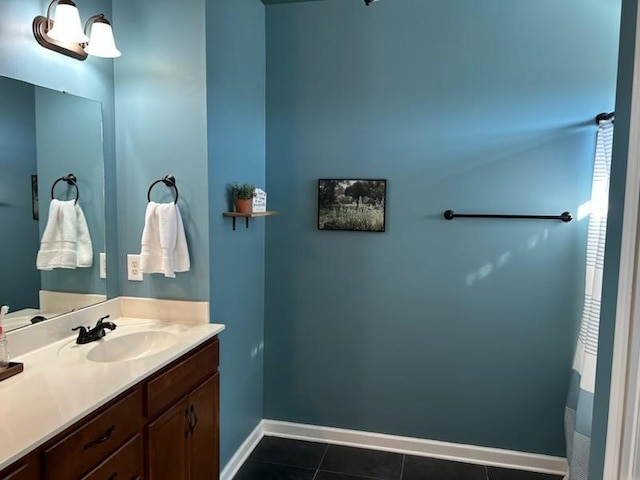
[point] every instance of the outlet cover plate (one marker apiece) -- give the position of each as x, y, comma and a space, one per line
133, 268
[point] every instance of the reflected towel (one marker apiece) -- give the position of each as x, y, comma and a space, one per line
164, 245
66, 242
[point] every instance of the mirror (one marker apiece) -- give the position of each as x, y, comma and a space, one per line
46, 135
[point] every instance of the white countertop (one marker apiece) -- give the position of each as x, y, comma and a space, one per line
59, 385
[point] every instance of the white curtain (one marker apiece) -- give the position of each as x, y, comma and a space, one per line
579, 409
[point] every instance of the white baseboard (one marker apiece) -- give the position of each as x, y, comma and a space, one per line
241, 455
494, 457
417, 446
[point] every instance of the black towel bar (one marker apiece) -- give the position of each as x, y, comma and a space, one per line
71, 180
604, 117
564, 216
169, 181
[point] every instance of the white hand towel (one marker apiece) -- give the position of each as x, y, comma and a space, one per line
84, 245
163, 247
181, 260
65, 242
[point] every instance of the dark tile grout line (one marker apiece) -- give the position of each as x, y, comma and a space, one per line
352, 475
326, 449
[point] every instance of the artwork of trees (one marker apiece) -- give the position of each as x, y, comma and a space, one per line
351, 205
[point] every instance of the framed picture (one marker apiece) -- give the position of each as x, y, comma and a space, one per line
356, 205
34, 197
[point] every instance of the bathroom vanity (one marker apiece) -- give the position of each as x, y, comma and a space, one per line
140, 403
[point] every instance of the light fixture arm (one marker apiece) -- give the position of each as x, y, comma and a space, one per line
49, 15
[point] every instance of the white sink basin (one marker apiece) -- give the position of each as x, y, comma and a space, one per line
131, 346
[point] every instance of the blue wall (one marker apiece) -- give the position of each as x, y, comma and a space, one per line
161, 129
69, 140
17, 163
236, 135
471, 107
614, 236
458, 331
24, 59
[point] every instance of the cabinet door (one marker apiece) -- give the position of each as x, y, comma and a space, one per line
204, 441
167, 440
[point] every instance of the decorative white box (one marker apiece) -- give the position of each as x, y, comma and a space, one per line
259, 201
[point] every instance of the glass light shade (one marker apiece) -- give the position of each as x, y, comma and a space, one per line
101, 43
66, 24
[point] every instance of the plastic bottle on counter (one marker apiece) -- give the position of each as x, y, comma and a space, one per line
4, 348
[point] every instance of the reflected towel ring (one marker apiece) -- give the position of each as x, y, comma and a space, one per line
169, 181
71, 180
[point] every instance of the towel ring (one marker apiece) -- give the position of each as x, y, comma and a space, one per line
169, 181
71, 180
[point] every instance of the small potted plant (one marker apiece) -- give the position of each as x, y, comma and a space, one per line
242, 195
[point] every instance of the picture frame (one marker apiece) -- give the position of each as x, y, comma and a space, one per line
34, 197
352, 204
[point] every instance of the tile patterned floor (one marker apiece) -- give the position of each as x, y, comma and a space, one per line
283, 459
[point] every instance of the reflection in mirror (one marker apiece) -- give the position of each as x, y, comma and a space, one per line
45, 135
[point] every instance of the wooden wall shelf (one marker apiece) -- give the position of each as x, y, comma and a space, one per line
247, 216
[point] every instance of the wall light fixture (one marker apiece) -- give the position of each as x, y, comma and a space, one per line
64, 34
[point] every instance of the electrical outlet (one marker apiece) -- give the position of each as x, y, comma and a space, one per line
133, 268
103, 265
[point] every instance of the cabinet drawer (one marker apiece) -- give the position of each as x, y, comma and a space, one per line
177, 381
125, 464
89, 444
22, 472
17, 474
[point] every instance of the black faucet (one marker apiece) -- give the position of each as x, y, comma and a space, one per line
86, 334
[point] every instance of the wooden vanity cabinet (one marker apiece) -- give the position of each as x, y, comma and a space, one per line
164, 428
183, 441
